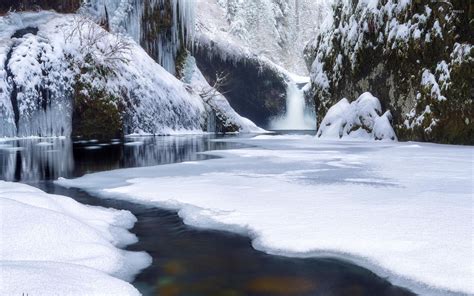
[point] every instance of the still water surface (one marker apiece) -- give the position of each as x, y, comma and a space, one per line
186, 260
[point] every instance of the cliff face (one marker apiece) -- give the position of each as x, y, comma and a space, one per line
77, 74
162, 27
416, 56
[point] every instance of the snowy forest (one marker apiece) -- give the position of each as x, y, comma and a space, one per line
236, 147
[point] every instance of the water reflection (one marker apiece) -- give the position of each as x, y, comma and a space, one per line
33, 159
48, 159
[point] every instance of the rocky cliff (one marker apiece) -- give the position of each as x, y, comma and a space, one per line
85, 74
416, 56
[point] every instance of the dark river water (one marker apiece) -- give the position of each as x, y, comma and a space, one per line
186, 261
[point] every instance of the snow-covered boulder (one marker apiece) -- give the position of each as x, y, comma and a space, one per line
53, 245
416, 56
362, 118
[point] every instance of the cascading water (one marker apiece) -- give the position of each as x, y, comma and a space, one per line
298, 116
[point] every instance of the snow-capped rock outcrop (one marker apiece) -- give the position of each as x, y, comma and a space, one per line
73, 71
64, 74
417, 56
362, 118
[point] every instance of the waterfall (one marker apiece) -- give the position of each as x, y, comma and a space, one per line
298, 115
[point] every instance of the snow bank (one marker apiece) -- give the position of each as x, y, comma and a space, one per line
54, 245
50, 278
359, 119
402, 209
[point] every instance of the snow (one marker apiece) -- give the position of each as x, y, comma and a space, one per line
429, 80
156, 101
23, 57
404, 210
53, 245
359, 119
50, 278
355, 27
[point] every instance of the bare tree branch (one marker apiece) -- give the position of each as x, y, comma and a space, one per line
213, 90
96, 42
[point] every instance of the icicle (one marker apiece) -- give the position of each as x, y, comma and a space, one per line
127, 16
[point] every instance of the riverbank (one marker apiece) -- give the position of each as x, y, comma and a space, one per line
52, 244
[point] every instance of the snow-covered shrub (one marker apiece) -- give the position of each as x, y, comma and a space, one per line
362, 118
417, 56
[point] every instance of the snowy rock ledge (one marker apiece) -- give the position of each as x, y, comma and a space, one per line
362, 119
53, 245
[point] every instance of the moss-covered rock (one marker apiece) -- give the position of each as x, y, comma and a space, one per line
97, 113
416, 56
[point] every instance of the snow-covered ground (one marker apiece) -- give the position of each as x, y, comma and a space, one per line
53, 245
404, 210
